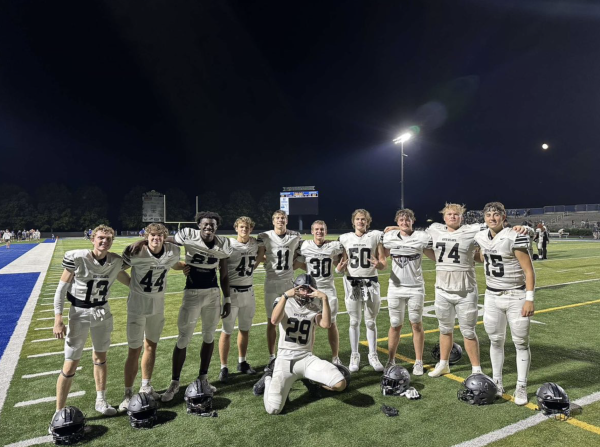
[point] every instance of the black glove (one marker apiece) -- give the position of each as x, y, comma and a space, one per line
389, 411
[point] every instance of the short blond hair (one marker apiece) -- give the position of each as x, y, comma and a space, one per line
318, 222
365, 213
104, 229
406, 213
243, 219
278, 212
155, 228
461, 209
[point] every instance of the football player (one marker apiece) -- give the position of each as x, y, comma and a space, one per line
456, 292
205, 252
243, 305
146, 304
85, 282
510, 280
320, 257
278, 249
407, 286
6, 236
363, 256
298, 313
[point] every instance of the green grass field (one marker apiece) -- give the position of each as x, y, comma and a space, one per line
565, 345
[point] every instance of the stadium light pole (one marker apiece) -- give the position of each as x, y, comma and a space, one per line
401, 140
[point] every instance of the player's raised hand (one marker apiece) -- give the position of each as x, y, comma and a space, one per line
314, 293
342, 265
374, 261
521, 229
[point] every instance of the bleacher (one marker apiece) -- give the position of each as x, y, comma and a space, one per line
557, 217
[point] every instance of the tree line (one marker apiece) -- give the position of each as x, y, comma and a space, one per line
55, 207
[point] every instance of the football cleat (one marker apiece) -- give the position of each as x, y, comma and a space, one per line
224, 375
207, 388
418, 368
374, 362
520, 395
126, 398
149, 389
103, 407
354, 361
336, 361
500, 390
245, 368
439, 370
259, 387
388, 365
171, 391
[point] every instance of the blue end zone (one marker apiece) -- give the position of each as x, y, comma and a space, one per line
8, 255
16, 289
48, 241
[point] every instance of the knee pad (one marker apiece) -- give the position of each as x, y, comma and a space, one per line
395, 322
183, 341
354, 323
100, 363
446, 329
66, 376
468, 333
208, 338
521, 343
497, 340
371, 325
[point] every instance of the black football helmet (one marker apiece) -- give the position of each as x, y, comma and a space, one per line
455, 353
142, 411
395, 381
198, 402
67, 426
478, 389
305, 280
553, 401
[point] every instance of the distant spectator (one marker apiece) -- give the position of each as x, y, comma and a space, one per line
560, 233
6, 236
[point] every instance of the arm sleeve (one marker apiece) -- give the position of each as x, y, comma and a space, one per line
59, 297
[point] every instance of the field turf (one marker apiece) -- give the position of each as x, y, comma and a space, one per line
565, 345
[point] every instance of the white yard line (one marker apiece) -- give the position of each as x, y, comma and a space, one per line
521, 425
33, 441
45, 373
42, 400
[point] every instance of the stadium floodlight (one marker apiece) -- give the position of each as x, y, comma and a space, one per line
401, 140
545, 146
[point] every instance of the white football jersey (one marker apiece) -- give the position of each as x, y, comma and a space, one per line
502, 269
280, 253
407, 255
92, 279
454, 251
297, 329
241, 262
360, 249
149, 279
319, 261
204, 260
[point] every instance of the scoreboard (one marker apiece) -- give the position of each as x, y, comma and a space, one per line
299, 201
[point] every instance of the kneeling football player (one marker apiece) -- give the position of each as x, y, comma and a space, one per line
298, 312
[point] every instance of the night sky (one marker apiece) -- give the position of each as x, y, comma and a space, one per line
224, 95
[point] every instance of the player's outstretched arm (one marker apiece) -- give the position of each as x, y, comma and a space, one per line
325, 320
124, 278
279, 310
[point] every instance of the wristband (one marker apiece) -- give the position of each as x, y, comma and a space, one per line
226, 300
529, 295
285, 296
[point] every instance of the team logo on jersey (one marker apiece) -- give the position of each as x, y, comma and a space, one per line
402, 261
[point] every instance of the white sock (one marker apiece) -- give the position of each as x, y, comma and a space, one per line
443, 362
497, 358
101, 395
372, 339
241, 359
475, 369
523, 362
223, 365
354, 336
145, 382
